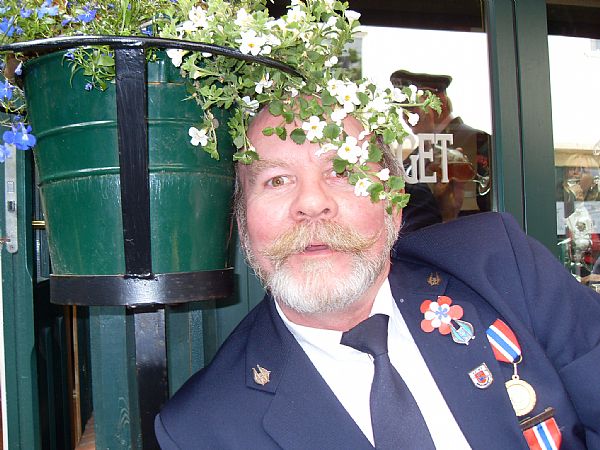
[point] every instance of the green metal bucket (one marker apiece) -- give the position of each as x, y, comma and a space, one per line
78, 170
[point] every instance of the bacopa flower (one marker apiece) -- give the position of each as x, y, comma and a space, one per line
383, 174
199, 137
176, 56
314, 128
439, 314
331, 61
413, 118
349, 150
351, 15
250, 105
347, 97
361, 186
243, 19
264, 83
251, 42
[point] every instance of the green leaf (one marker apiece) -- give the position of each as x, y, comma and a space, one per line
331, 131
327, 98
245, 157
238, 141
396, 183
388, 136
105, 60
364, 98
298, 136
375, 153
339, 165
288, 116
375, 189
276, 107
281, 132
268, 131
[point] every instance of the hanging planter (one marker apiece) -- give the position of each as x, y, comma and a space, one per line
135, 213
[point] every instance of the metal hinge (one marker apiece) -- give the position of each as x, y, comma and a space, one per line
10, 204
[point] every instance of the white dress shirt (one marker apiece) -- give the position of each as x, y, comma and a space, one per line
349, 372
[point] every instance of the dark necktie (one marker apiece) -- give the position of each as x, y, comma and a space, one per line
396, 418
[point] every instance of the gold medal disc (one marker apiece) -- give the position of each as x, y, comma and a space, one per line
522, 396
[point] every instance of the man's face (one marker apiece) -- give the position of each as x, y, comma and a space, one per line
317, 246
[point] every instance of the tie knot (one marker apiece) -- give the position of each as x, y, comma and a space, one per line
369, 336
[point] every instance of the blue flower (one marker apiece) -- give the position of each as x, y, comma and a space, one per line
66, 21
47, 9
6, 90
19, 69
4, 152
88, 86
70, 55
20, 136
7, 26
25, 13
88, 15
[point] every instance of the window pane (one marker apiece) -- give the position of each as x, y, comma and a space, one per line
460, 163
574, 71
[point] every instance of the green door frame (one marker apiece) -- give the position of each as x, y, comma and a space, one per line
520, 84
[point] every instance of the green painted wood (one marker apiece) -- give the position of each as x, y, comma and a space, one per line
536, 121
19, 338
114, 387
507, 154
190, 338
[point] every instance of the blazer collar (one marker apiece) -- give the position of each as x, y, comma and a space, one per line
304, 412
485, 416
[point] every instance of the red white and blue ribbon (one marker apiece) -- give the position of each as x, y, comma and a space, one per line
504, 342
544, 436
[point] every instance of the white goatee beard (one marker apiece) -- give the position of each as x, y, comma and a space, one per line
316, 288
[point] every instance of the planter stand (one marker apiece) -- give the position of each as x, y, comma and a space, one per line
142, 292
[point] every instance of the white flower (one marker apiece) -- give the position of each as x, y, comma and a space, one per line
250, 105
378, 104
198, 136
361, 186
363, 134
413, 119
187, 26
414, 91
329, 5
292, 90
314, 128
334, 87
383, 174
338, 115
264, 83
349, 150
383, 195
198, 17
176, 56
364, 153
243, 19
351, 15
325, 148
296, 14
398, 95
331, 61
251, 42
347, 97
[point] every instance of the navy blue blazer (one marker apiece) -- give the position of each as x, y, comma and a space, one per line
509, 276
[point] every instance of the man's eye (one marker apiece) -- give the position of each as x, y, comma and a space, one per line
344, 174
278, 181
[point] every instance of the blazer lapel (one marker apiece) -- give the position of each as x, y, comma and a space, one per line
485, 416
304, 412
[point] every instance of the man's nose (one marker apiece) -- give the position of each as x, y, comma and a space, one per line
314, 200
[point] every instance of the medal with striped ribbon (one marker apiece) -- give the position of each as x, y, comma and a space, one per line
507, 349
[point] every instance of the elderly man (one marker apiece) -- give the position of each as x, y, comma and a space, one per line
308, 368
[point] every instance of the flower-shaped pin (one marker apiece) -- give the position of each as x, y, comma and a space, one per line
438, 314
